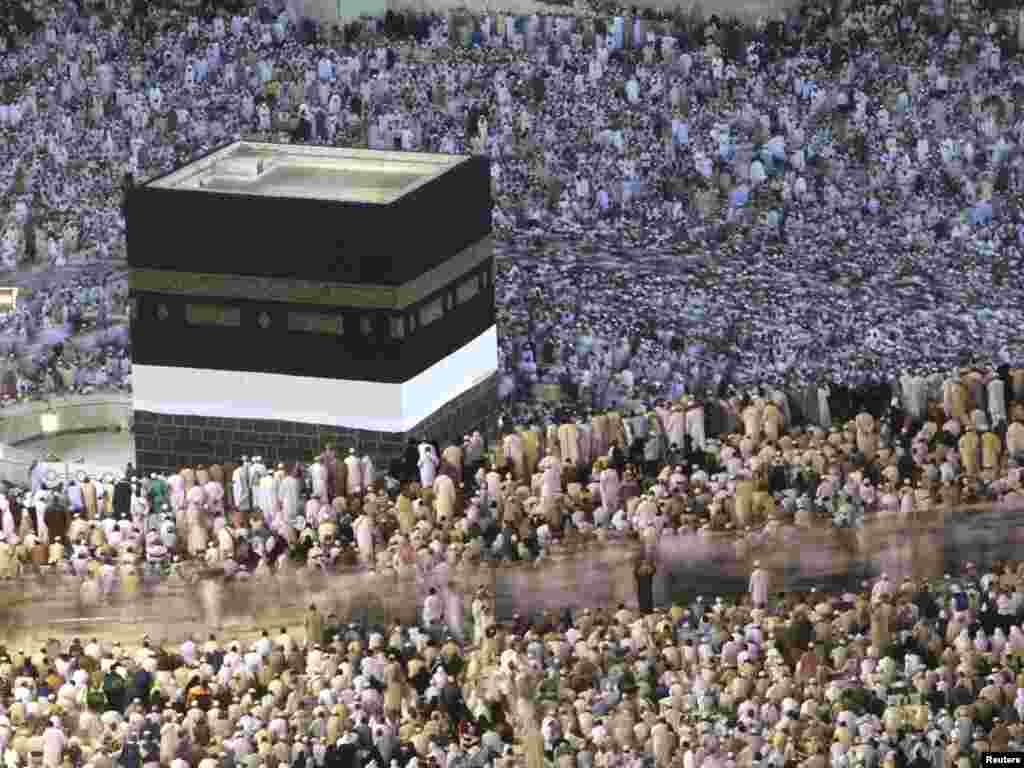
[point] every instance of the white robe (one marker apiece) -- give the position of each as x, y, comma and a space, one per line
551, 485
197, 535
454, 613
318, 473
242, 491
267, 499
695, 427
610, 487
53, 747
226, 543
41, 530
368, 473
9, 527
428, 465
354, 476
997, 401
290, 491
824, 412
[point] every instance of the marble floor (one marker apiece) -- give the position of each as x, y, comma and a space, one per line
99, 449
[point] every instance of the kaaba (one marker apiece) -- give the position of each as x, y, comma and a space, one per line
284, 296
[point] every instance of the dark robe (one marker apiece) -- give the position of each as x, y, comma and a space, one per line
56, 518
645, 588
330, 462
122, 499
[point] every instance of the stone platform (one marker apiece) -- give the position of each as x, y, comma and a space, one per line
166, 442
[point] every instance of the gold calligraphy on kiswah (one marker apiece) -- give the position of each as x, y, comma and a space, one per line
292, 291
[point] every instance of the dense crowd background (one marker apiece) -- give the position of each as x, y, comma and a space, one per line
753, 281
831, 196
900, 673
68, 337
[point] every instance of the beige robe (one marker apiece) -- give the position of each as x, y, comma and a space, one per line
406, 517
393, 689
533, 747
453, 455
881, 617
601, 433
969, 445
513, 448
744, 503
531, 450
444, 497
569, 448
616, 429
8, 565
752, 423
771, 422
958, 402
991, 449
1015, 438
108, 499
552, 444
89, 499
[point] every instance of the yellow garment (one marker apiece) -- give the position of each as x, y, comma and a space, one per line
531, 449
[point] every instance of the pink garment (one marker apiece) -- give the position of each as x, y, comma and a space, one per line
312, 512
177, 485
663, 417
759, 587
676, 428
215, 497
598, 444
196, 495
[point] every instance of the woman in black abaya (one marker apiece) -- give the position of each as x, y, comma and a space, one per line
644, 572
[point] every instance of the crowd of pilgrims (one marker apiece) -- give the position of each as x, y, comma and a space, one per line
847, 204
70, 337
757, 470
829, 196
901, 673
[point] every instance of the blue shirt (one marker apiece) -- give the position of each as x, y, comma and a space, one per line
740, 197
1001, 151
633, 90
618, 33
981, 213
680, 132
75, 497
